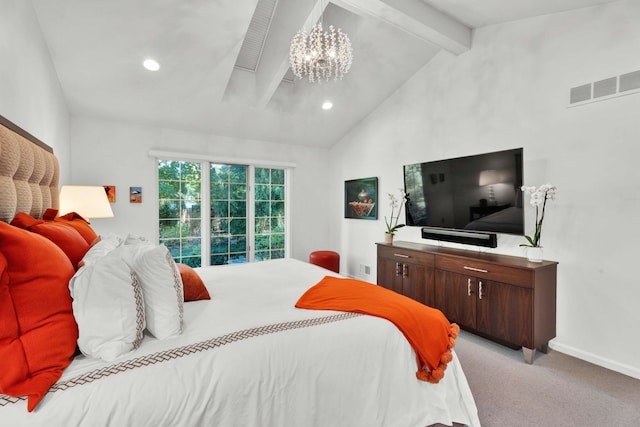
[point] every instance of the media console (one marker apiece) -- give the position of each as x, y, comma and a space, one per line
504, 298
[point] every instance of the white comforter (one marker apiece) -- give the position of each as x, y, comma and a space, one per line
347, 370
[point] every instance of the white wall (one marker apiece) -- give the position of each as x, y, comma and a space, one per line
30, 93
115, 153
511, 90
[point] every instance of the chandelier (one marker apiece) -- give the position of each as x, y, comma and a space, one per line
320, 55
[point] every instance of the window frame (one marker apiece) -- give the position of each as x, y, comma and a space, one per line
205, 161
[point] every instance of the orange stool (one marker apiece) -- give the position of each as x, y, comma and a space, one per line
326, 259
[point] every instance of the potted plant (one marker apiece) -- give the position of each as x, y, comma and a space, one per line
539, 197
392, 223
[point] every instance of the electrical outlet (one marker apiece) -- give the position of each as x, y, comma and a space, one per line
364, 269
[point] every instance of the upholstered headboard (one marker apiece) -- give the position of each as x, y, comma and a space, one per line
29, 173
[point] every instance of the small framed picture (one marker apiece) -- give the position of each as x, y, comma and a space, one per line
361, 198
111, 192
135, 194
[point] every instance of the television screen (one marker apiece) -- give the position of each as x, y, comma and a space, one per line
475, 193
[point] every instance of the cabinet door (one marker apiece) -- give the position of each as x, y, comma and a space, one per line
390, 274
456, 297
418, 283
505, 312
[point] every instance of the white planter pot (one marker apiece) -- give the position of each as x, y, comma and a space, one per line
534, 254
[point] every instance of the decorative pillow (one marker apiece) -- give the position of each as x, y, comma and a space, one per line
24, 220
108, 305
162, 288
50, 214
192, 284
102, 246
65, 236
38, 333
135, 239
80, 224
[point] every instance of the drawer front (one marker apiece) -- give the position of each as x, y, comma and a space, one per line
487, 271
407, 255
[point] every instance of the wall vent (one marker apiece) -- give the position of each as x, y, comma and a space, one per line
630, 81
605, 87
580, 93
608, 88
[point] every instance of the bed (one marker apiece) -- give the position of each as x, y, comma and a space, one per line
509, 220
246, 356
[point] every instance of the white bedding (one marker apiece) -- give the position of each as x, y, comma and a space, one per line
339, 370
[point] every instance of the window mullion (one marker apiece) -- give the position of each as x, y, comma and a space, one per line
251, 221
205, 213
287, 213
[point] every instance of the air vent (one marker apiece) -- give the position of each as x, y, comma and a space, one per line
608, 88
580, 93
630, 81
605, 87
251, 50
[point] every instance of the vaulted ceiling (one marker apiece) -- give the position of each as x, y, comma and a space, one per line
224, 63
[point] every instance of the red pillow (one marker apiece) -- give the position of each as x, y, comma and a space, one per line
80, 224
50, 214
193, 286
24, 220
63, 231
38, 333
65, 236
75, 220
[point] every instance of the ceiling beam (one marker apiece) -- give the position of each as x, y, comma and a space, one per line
274, 62
411, 16
417, 18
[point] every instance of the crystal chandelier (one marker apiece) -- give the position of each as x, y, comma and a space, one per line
320, 55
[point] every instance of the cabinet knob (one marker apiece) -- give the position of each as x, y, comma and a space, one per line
405, 270
468, 286
397, 269
480, 289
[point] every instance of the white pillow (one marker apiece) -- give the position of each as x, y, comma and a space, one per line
162, 288
106, 244
108, 305
136, 239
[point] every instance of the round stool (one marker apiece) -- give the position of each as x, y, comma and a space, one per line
326, 259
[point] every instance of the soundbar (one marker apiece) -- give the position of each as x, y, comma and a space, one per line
458, 236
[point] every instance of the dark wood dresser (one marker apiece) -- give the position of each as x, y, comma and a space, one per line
504, 298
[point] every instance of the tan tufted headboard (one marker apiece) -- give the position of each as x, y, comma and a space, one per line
29, 173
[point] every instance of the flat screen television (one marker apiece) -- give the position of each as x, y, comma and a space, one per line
479, 193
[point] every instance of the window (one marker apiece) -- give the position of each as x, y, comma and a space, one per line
228, 214
246, 217
180, 210
270, 213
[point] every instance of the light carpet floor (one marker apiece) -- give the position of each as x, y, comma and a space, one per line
557, 390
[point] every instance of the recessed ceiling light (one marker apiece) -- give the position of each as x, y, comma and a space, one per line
151, 65
327, 105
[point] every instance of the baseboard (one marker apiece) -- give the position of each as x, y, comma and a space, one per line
596, 360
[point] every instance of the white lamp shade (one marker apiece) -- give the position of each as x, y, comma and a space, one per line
87, 201
489, 177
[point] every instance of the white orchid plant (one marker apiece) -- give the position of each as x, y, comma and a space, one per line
539, 197
395, 203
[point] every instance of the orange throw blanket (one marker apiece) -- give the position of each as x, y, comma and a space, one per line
427, 329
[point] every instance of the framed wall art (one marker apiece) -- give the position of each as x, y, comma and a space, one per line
361, 198
111, 192
135, 194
